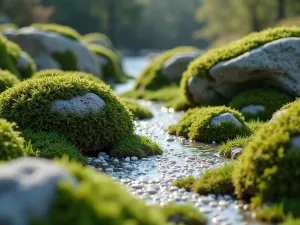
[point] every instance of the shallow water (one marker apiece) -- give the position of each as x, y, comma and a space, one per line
151, 178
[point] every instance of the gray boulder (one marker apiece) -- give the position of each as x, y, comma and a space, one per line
274, 64
252, 109
80, 105
226, 118
41, 45
174, 67
27, 189
23, 62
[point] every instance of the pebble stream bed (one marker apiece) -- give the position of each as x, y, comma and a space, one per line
151, 178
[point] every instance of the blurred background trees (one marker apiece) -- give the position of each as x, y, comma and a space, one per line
158, 24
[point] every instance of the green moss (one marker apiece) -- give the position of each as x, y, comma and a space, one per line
184, 215
8, 26
7, 80
151, 77
29, 105
136, 145
201, 66
238, 142
112, 71
97, 199
271, 99
98, 39
291, 221
137, 110
269, 165
60, 29
11, 144
196, 125
56, 72
271, 214
186, 183
51, 145
67, 60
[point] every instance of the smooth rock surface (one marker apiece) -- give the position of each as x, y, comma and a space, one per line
80, 105
226, 118
23, 62
278, 114
38, 43
274, 64
252, 109
27, 189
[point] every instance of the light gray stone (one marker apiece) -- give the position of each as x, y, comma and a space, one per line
236, 152
274, 64
27, 189
23, 62
295, 144
45, 62
174, 67
252, 109
40, 44
226, 118
80, 105
278, 114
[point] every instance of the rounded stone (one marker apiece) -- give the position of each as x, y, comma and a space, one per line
226, 118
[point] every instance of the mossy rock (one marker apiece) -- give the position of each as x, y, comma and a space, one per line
209, 124
33, 105
112, 70
7, 80
269, 165
151, 77
136, 145
98, 39
66, 59
260, 103
137, 110
51, 145
11, 143
97, 199
60, 29
56, 72
200, 67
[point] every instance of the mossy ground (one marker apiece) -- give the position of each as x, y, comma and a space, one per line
196, 125
136, 145
271, 99
201, 66
151, 77
137, 110
7, 80
51, 145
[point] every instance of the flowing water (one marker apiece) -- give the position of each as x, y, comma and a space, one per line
151, 178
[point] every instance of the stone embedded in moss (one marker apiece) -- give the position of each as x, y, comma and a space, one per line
209, 124
263, 102
137, 110
268, 167
29, 105
7, 80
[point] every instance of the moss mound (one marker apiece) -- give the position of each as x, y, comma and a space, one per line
29, 105
81, 203
112, 71
7, 80
151, 77
137, 110
136, 145
98, 39
60, 29
214, 181
269, 164
184, 214
271, 99
201, 66
51, 145
11, 144
196, 124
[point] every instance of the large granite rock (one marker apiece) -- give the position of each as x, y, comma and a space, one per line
275, 64
27, 189
174, 67
41, 45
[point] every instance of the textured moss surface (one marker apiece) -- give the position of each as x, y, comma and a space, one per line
137, 110
29, 105
271, 99
196, 125
60, 29
151, 77
269, 164
51, 145
7, 80
201, 66
11, 143
98, 38
67, 60
136, 145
